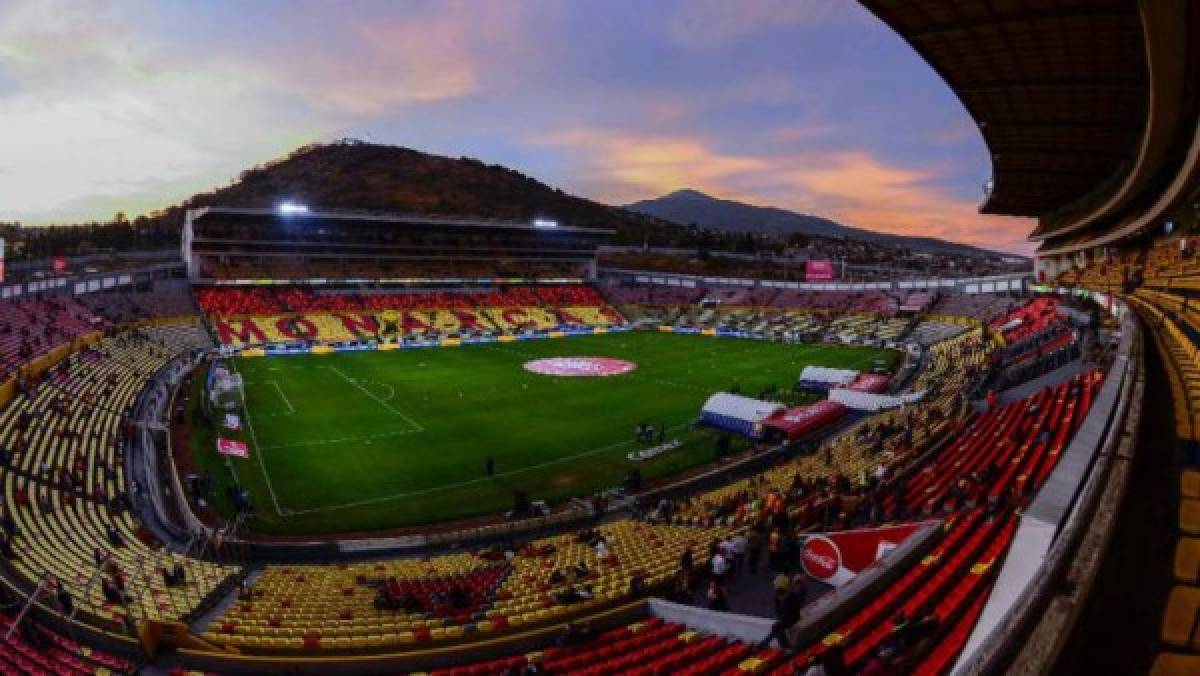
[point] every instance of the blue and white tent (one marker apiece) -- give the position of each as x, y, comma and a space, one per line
822, 378
738, 414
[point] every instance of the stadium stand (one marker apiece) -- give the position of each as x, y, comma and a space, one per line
547, 580
66, 495
36, 649
164, 301
33, 327
929, 332
66, 488
243, 317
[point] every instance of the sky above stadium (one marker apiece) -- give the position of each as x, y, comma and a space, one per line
811, 105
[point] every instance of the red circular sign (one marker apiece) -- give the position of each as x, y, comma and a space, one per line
573, 367
821, 557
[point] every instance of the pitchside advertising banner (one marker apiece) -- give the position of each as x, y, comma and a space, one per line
818, 271
237, 449
835, 558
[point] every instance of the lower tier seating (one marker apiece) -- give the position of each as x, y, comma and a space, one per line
297, 608
65, 512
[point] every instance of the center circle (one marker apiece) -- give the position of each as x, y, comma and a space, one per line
574, 367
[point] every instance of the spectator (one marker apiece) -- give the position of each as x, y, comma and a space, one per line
718, 598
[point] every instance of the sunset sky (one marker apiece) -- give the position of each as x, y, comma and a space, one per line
812, 105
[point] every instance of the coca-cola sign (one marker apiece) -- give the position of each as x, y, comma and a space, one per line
821, 558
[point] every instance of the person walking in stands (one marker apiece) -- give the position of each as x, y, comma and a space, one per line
739, 544
720, 566
788, 602
754, 547
775, 551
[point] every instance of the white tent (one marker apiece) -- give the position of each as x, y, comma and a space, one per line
822, 374
869, 401
736, 413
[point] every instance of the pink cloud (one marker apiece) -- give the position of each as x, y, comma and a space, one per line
852, 186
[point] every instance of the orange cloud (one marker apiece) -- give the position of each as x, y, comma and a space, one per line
852, 186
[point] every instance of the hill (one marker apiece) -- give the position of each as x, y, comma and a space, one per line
359, 175
692, 206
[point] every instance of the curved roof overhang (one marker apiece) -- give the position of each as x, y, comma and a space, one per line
1058, 88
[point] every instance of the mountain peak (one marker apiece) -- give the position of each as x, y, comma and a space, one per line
689, 206
688, 193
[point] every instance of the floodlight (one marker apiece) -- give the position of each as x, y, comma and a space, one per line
544, 223
292, 208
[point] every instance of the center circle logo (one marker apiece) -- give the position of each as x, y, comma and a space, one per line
573, 367
821, 558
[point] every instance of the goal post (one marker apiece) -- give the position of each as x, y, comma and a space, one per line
224, 387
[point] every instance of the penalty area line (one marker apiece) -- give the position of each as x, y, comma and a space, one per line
382, 402
291, 409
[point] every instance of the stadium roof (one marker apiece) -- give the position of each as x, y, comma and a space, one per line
1059, 88
366, 216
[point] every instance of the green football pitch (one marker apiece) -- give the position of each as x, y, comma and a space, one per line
374, 440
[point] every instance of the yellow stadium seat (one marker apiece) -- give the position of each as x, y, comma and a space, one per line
1179, 619
1187, 559
1172, 664
1189, 516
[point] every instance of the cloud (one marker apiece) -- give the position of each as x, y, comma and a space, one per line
370, 67
716, 23
98, 107
852, 186
97, 114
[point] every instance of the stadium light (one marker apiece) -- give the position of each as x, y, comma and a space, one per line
288, 208
544, 223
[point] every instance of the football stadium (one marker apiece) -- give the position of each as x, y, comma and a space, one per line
309, 423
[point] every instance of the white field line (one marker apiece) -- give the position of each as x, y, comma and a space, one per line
258, 450
343, 440
460, 484
291, 409
382, 402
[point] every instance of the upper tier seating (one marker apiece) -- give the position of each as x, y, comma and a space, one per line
225, 302
32, 327
290, 269
166, 299
982, 306
929, 332
1028, 320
